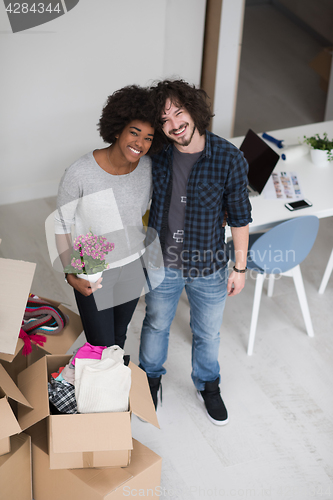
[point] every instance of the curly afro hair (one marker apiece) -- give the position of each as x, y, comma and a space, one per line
184, 95
122, 107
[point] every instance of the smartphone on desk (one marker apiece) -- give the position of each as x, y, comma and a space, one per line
297, 205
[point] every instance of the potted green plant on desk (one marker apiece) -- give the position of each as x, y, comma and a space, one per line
321, 149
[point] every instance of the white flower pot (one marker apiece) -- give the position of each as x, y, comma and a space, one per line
319, 157
92, 278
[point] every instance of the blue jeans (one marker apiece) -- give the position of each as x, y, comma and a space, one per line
206, 296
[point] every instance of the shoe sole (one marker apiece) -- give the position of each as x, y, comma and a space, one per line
215, 422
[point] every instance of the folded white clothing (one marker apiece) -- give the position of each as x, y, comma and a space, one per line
103, 386
114, 352
115, 355
80, 363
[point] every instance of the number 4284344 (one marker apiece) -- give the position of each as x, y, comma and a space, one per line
35, 8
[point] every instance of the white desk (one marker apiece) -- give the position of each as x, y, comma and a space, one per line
316, 182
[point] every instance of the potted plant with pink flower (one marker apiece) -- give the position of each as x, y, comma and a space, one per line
88, 257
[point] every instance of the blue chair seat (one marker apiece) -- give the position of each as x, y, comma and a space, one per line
280, 251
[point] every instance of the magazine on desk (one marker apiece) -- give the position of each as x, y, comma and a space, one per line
284, 186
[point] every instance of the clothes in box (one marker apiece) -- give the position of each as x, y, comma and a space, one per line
83, 440
17, 277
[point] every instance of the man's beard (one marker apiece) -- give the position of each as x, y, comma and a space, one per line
184, 142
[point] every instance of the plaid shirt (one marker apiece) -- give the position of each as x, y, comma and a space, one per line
217, 183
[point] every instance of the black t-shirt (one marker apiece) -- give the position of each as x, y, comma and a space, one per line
181, 168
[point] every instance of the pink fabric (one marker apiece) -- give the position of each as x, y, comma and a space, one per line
89, 351
27, 339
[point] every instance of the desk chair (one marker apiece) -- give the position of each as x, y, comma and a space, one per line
327, 274
280, 251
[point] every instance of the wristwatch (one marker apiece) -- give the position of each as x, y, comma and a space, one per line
240, 270
66, 274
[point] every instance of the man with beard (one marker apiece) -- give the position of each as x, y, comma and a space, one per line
197, 178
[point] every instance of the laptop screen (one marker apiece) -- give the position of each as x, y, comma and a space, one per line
261, 159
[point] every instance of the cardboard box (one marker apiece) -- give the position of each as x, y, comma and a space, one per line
14, 363
83, 440
4, 446
143, 475
15, 470
61, 342
9, 397
18, 276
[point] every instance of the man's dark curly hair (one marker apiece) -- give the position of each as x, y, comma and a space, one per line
184, 95
122, 107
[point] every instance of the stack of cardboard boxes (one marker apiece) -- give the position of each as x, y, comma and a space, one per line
77, 456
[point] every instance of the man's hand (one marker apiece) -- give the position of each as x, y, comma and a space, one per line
83, 286
236, 283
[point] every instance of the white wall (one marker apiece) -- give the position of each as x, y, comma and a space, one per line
184, 32
227, 68
57, 76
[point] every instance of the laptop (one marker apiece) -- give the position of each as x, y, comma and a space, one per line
261, 159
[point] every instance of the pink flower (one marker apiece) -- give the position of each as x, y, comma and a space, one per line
77, 264
92, 246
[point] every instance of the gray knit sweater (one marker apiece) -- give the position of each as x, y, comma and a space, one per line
111, 205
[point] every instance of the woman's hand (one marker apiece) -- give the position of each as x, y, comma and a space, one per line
83, 286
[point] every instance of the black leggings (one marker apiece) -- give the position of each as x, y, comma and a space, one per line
106, 313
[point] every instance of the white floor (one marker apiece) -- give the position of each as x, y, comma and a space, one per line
279, 441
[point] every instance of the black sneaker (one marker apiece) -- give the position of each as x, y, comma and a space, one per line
211, 397
155, 385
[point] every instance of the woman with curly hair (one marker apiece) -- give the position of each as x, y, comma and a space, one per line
106, 192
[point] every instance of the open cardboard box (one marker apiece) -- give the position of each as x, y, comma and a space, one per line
18, 276
15, 470
15, 363
10, 395
141, 478
83, 440
61, 342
